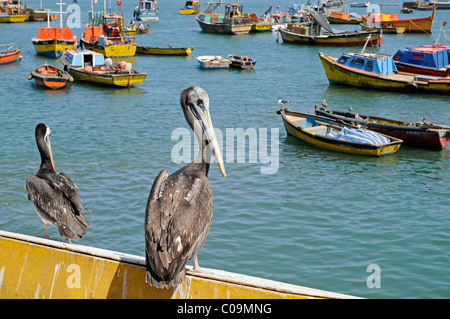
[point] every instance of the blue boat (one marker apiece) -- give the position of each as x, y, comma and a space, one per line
147, 10
433, 60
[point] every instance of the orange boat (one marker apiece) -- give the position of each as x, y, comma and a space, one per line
9, 53
417, 25
50, 77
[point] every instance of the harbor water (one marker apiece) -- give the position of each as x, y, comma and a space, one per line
370, 227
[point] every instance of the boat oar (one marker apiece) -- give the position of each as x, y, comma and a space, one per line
168, 45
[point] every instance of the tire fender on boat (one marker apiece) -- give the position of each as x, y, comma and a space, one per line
412, 87
30, 77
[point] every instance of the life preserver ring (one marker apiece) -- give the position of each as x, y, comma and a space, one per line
412, 87
245, 59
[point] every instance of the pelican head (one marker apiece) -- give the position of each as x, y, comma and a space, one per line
42, 134
195, 104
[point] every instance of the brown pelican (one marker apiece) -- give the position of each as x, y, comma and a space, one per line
55, 196
180, 205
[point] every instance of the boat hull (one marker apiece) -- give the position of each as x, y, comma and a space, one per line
124, 79
224, 28
164, 51
14, 18
338, 74
386, 29
117, 50
335, 145
433, 138
73, 271
336, 39
52, 48
10, 57
50, 77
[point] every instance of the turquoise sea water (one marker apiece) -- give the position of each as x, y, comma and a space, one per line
319, 221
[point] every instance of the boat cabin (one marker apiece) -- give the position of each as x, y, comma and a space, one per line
430, 56
147, 5
83, 58
381, 64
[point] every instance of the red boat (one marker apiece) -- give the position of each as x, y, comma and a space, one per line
421, 134
50, 77
9, 53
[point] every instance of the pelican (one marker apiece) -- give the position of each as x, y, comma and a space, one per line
180, 206
55, 196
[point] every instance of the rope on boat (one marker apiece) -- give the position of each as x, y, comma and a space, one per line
426, 31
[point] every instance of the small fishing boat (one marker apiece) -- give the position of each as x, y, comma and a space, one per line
190, 7
169, 50
131, 31
241, 62
40, 14
386, 29
87, 65
413, 25
50, 77
359, 4
378, 71
420, 134
12, 13
407, 10
210, 62
232, 22
147, 10
53, 41
336, 136
433, 60
318, 32
103, 35
9, 53
344, 18
264, 22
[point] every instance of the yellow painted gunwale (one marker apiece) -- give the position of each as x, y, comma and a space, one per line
122, 80
32, 267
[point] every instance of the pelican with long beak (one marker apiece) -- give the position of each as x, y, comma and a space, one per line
55, 196
180, 206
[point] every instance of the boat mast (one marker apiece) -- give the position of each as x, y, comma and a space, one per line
60, 14
365, 44
444, 24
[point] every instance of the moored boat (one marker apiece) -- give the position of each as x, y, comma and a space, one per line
241, 62
118, 275
420, 134
169, 50
212, 62
378, 71
86, 65
318, 32
332, 135
53, 41
190, 7
147, 10
50, 77
233, 21
344, 18
385, 29
9, 53
10, 14
103, 35
40, 14
413, 25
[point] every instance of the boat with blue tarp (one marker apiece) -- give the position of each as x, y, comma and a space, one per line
336, 136
378, 71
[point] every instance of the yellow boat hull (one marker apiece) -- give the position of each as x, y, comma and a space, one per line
52, 49
14, 18
189, 11
120, 80
117, 50
338, 74
32, 267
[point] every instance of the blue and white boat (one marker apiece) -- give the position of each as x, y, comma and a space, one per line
147, 10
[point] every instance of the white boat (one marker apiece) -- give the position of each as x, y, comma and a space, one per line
213, 62
147, 10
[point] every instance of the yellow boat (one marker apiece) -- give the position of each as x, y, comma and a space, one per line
378, 71
385, 29
5, 17
164, 51
190, 7
336, 136
32, 267
86, 65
